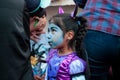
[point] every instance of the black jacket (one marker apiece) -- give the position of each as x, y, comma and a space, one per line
14, 41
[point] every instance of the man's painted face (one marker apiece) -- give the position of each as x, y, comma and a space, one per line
55, 35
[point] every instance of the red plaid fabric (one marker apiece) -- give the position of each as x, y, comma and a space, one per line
102, 15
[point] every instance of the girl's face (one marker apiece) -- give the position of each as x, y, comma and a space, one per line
55, 35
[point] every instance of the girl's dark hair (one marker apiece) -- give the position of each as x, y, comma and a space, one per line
79, 26
79, 43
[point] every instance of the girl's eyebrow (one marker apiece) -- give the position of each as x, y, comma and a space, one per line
54, 27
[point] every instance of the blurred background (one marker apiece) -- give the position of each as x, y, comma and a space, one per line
67, 5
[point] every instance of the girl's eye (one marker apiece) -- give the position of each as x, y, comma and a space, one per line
53, 30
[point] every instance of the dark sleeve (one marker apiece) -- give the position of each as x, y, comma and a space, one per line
14, 41
81, 3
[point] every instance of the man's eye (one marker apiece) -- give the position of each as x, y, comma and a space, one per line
43, 17
36, 19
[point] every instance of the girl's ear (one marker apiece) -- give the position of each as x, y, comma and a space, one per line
69, 35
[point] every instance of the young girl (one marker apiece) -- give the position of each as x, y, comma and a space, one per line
66, 61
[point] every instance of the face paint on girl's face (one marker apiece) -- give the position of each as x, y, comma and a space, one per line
55, 35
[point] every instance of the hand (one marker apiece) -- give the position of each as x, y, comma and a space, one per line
37, 77
40, 48
36, 27
34, 35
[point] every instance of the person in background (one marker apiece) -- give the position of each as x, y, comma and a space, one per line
14, 41
38, 42
37, 8
65, 36
102, 41
37, 24
39, 45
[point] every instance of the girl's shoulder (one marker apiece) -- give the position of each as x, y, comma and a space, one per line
52, 50
77, 65
51, 53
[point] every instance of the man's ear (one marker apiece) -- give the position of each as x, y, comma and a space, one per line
69, 35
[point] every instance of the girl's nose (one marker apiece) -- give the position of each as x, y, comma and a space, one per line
49, 36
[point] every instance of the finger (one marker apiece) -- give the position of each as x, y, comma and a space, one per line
36, 36
38, 78
34, 39
43, 76
40, 32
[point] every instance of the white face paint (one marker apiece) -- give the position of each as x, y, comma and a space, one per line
55, 35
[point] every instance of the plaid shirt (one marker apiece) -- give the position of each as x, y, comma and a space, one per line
102, 15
